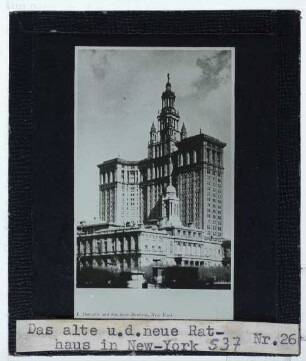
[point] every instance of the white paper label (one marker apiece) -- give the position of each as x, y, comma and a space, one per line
173, 336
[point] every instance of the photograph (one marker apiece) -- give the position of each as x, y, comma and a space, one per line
154, 168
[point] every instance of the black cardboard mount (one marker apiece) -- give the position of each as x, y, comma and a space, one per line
267, 150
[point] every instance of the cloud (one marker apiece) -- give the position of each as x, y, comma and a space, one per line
215, 71
99, 64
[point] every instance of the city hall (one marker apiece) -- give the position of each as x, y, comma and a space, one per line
164, 210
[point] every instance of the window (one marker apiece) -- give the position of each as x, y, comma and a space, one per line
132, 177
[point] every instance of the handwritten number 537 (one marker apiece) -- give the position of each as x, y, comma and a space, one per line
224, 344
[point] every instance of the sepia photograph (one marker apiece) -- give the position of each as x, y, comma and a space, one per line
154, 168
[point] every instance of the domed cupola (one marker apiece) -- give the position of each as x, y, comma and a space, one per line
170, 190
168, 96
171, 206
168, 84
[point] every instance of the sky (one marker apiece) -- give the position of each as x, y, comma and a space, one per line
118, 96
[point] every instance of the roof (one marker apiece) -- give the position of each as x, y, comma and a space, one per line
198, 138
118, 161
170, 189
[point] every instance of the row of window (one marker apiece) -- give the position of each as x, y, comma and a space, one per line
214, 227
153, 248
107, 246
219, 234
158, 172
108, 177
187, 158
213, 156
196, 250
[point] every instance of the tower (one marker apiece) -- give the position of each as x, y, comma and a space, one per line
152, 148
153, 134
183, 132
168, 120
171, 207
181, 180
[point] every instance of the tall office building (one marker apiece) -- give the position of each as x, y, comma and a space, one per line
135, 192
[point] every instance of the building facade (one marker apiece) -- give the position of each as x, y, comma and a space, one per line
165, 210
131, 192
115, 248
133, 247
